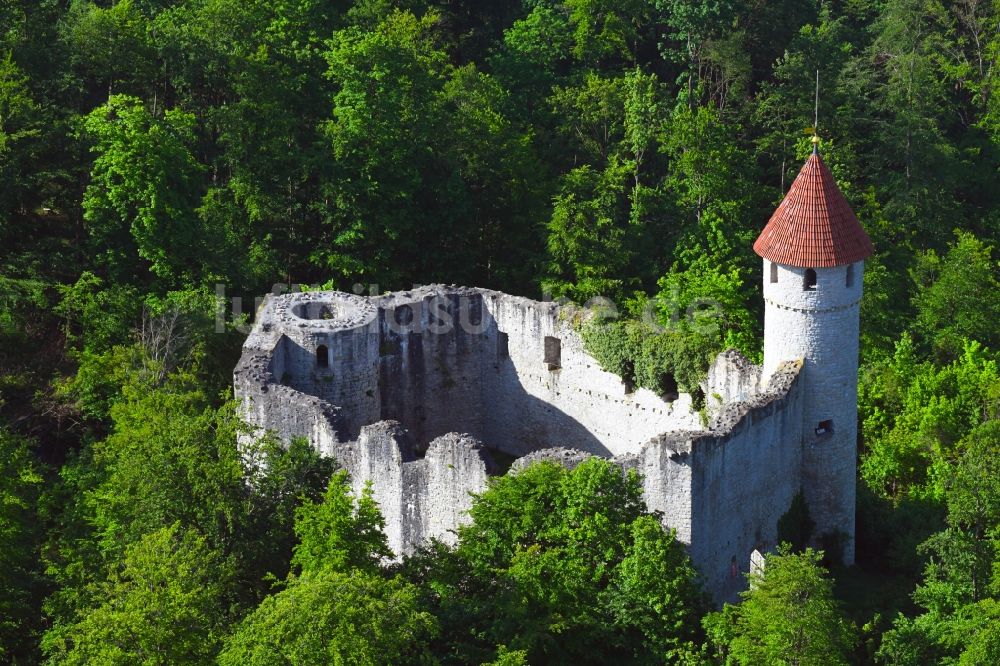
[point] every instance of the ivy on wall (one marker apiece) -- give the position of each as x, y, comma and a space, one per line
663, 361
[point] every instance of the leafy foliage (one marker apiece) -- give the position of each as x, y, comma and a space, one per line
339, 534
161, 606
144, 183
564, 565
787, 616
20, 536
329, 616
631, 150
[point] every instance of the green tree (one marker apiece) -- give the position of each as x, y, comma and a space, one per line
960, 589
338, 532
564, 565
110, 46
609, 32
788, 616
20, 536
19, 134
334, 617
162, 605
958, 297
171, 457
282, 478
144, 190
339, 608
916, 417
427, 163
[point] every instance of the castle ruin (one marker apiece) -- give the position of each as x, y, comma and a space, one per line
427, 393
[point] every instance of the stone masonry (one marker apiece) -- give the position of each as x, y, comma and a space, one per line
427, 393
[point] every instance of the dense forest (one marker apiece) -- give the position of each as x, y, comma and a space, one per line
156, 154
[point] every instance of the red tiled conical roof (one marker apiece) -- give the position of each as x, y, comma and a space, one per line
814, 226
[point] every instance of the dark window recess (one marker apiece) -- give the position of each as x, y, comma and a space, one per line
403, 315
553, 352
670, 390
774, 272
628, 377
503, 345
322, 357
825, 427
850, 275
809, 280
389, 347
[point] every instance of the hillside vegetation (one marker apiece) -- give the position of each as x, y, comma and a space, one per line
155, 154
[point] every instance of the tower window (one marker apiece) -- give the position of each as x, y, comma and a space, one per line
774, 272
322, 357
809, 280
553, 352
825, 427
850, 275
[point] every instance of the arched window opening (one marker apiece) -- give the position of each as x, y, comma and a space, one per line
809, 281
850, 275
774, 272
322, 357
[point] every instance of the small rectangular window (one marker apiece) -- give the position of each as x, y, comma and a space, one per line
850, 275
809, 280
825, 427
503, 345
553, 352
774, 272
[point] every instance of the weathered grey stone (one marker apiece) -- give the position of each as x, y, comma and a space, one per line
386, 384
568, 458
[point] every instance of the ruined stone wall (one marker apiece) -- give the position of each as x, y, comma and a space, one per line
420, 498
436, 346
743, 480
442, 360
269, 406
721, 486
529, 405
730, 378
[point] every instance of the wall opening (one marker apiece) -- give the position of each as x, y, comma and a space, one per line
503, 346
809, 280
403, 315
670, 390
628, 377
825, 427
774, 272
389, 347
553, 352
322, 357
850, 275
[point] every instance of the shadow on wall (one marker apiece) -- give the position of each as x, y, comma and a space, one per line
443, 366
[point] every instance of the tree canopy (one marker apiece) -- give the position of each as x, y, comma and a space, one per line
165, 163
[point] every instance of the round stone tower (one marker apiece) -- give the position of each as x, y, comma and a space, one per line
814, 250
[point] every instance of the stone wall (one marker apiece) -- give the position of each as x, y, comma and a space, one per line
744, 479
415, 369
529, 405
442, 360
420, 498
